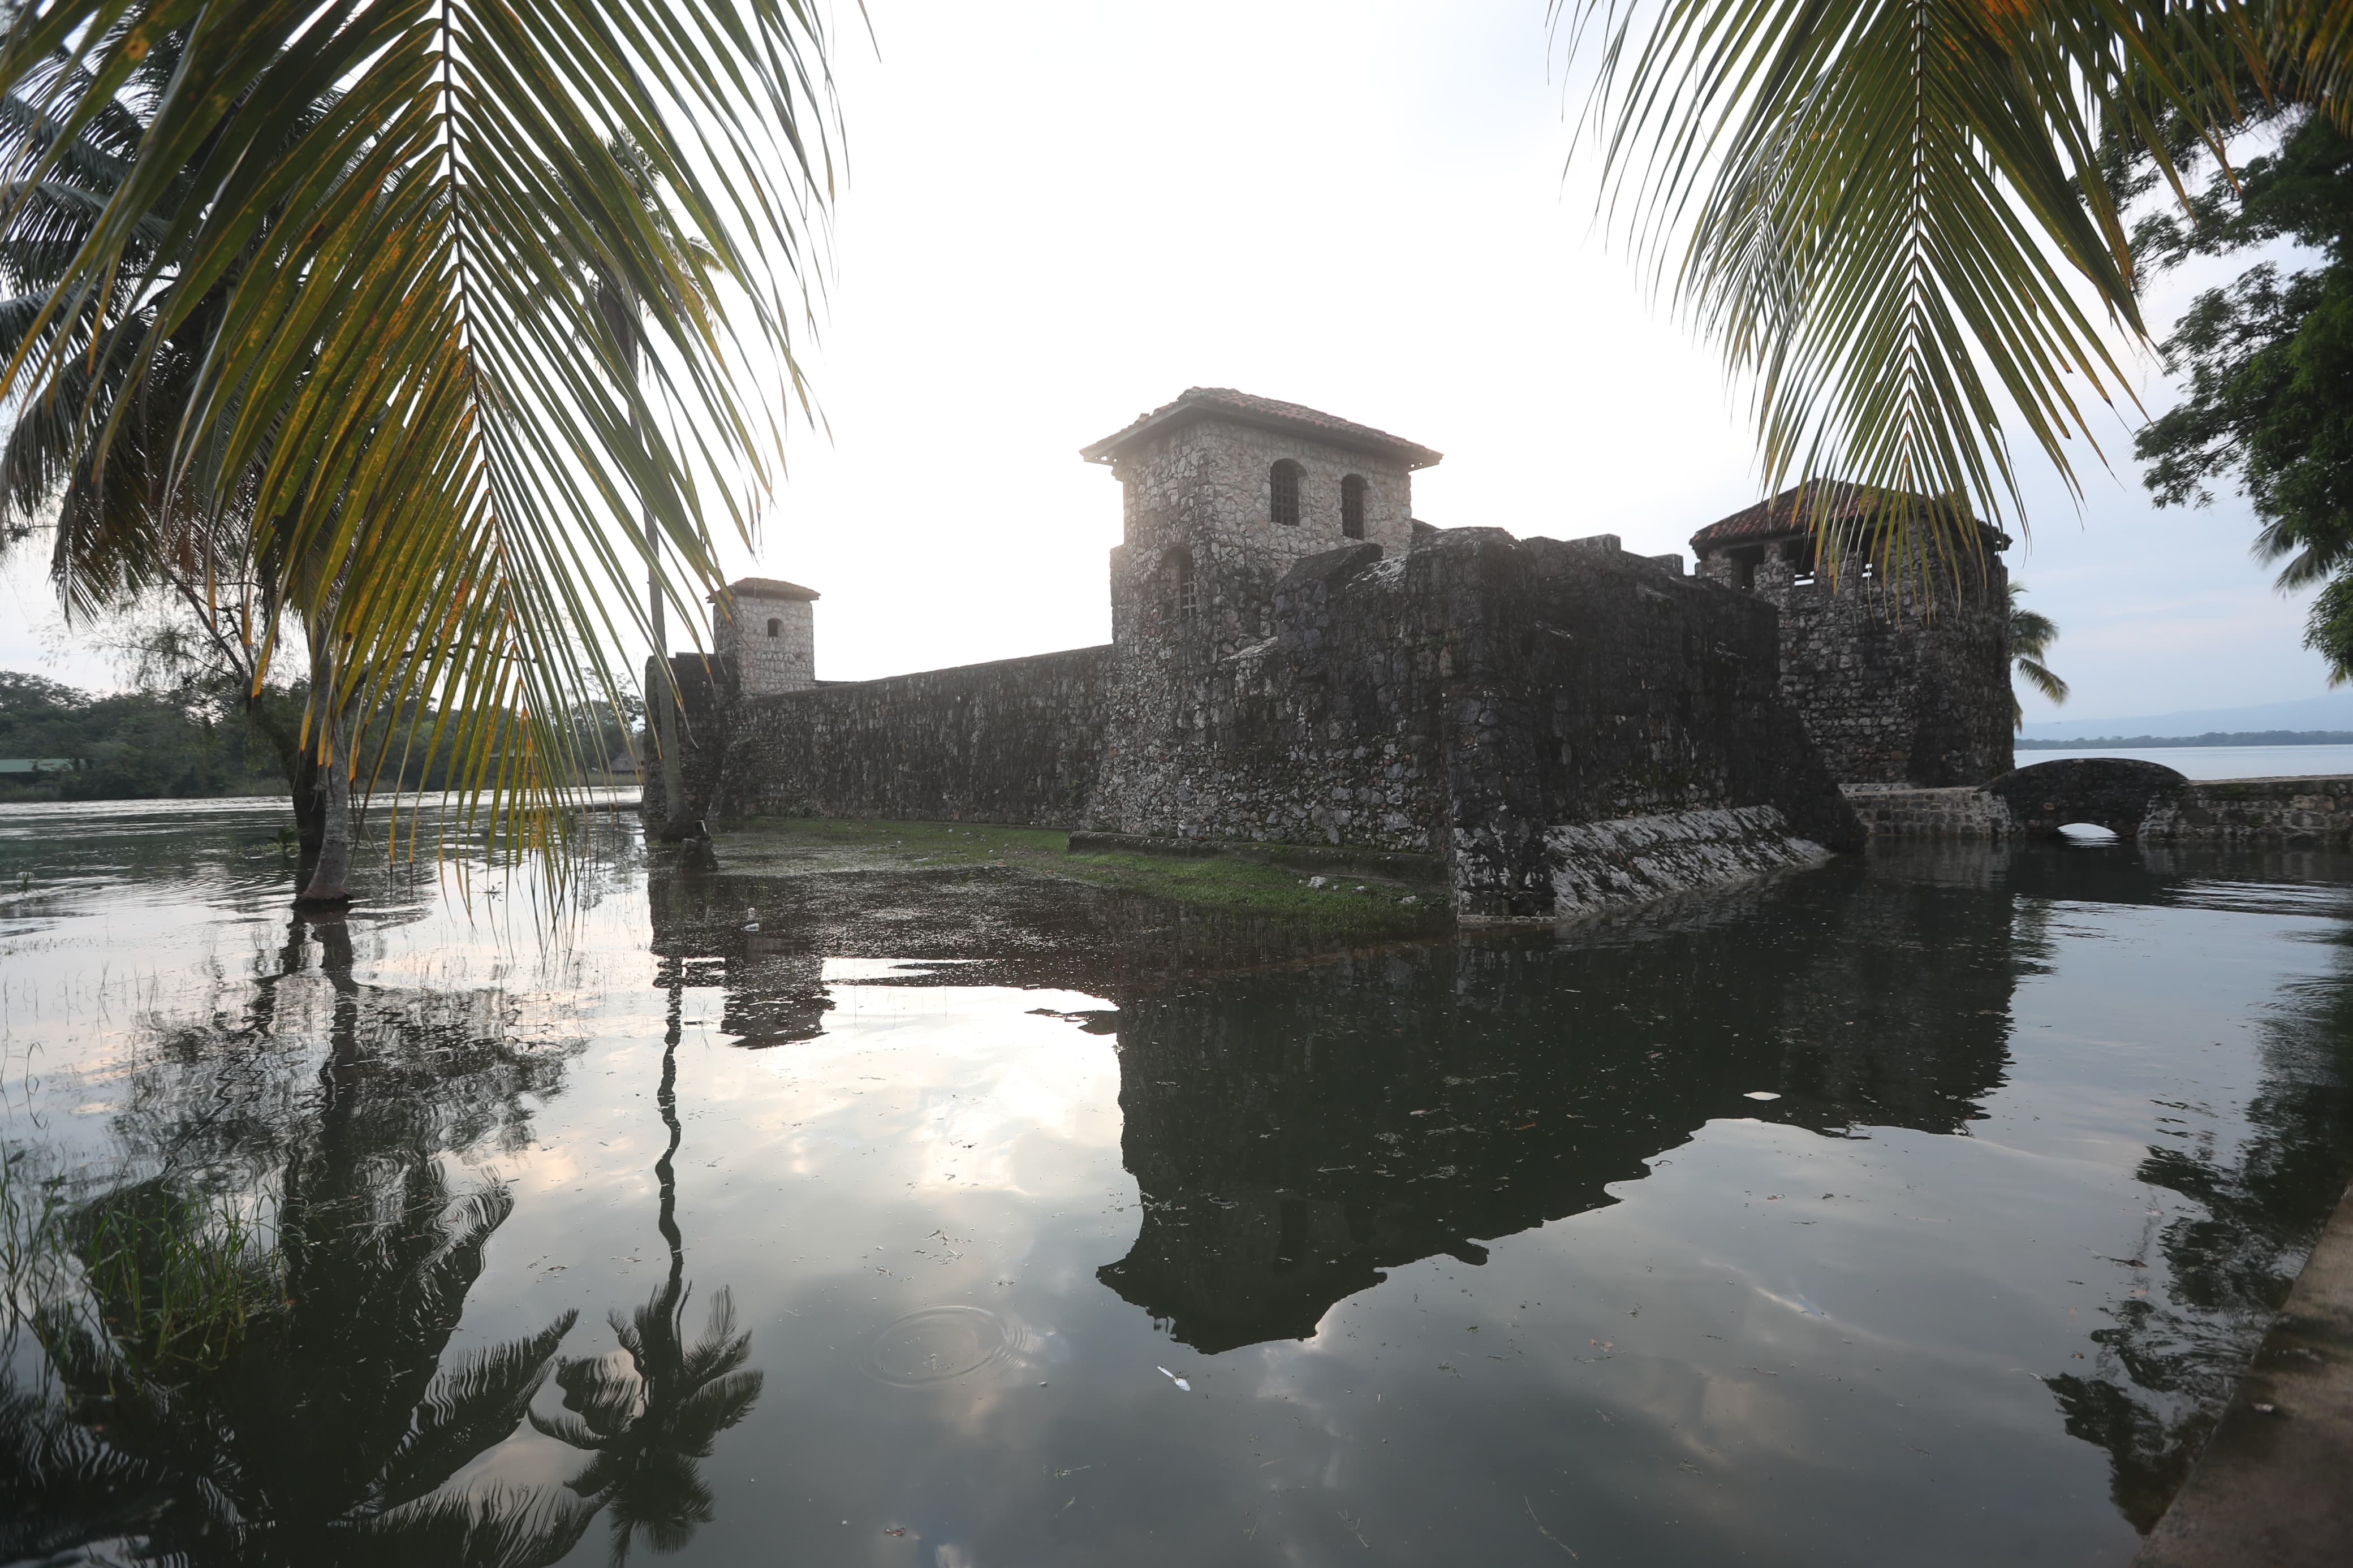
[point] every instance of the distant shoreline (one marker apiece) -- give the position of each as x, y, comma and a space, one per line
2215, 738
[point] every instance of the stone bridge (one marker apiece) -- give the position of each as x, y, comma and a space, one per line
2131, 799
2114, 792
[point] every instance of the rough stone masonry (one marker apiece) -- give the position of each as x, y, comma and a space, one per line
1553, 726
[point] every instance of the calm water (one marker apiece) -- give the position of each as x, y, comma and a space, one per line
2218, 762
1918, 1209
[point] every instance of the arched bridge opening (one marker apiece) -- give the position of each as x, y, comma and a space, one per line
2114, 793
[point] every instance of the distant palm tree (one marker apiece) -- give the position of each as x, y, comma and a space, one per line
2032, 633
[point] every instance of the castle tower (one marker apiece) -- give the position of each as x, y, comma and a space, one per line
1901, 676
1222, 492
769, 628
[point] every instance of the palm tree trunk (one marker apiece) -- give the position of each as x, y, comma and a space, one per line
677, 819
661, 713
330, 882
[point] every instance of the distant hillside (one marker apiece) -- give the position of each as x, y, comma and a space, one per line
2212, 738
2331, 710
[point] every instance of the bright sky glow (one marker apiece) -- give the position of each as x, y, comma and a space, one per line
1060, 214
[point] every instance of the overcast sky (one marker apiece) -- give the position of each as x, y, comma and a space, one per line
1060, 214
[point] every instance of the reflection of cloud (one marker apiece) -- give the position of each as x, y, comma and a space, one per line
981, 1135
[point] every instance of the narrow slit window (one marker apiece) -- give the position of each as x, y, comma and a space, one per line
775, 627
1282, 487
1352, 506
1184, 589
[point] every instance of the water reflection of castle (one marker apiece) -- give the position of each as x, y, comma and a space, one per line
1294, 1136
1296, 1129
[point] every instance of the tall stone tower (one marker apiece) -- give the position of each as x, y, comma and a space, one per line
1900, 679
1222, 493
769, 628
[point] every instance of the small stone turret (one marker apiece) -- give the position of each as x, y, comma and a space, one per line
769, 628
1222, 493
1901, 674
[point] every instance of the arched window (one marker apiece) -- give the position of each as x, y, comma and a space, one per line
1183, 591
775, 627
1352, 506
1282, 487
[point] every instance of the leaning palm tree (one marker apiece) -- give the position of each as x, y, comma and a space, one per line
1903, 221
2032, 633
405, 389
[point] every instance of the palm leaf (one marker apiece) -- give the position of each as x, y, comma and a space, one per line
2040, 677
402, 214
471, 1405
492, 1527
1890, 214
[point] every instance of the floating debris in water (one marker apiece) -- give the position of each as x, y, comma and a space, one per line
1173, 1378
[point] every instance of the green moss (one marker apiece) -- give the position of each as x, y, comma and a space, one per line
808, 844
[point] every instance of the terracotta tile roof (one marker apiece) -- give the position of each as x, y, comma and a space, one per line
1266, 413
1798, 509
765, 588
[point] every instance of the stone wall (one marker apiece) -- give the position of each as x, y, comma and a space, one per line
1898, 681
1478, 700
1890, 810
1468, 698
2284, 812
1017, 741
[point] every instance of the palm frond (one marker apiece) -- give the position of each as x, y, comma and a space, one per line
2039, 676
1890, 216
471, 1405
491, 1527
402, 214
2032, 633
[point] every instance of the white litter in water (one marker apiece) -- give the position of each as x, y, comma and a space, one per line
1173, 1378
1183, 1385
1760, 1094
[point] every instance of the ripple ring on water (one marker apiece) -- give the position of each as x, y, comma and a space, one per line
937, 1345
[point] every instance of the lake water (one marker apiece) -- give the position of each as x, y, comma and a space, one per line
2218, 762
1918, 1209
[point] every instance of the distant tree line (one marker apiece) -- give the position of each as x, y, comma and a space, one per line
205, 735
2212, 738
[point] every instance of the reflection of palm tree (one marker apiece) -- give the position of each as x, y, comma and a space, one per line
2032, 633
323, 1430
648, 1423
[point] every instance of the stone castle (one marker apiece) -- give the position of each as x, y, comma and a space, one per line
1297, 663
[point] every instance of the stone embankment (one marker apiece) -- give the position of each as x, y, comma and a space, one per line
2132, 799
2271, 1489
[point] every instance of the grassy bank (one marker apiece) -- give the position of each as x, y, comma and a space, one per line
1354, 905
